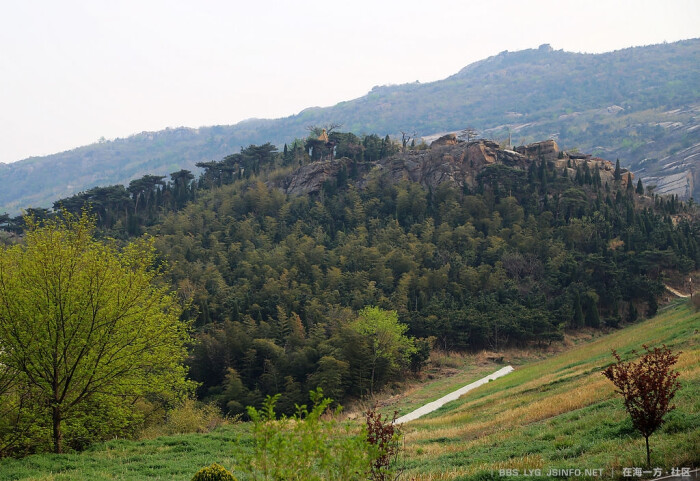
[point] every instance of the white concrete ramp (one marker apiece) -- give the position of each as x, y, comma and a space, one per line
432, 406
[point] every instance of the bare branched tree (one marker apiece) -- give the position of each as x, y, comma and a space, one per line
317, 129
405, 139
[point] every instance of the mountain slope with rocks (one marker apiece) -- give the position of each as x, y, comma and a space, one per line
639, 104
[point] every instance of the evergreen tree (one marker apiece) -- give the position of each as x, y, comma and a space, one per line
577, 320
592, 316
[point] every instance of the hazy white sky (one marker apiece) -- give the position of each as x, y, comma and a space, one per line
72, 71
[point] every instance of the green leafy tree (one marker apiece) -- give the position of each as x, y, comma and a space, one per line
389, 348
83, 324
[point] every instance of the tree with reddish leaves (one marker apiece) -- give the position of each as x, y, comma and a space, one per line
647, 387
383, 437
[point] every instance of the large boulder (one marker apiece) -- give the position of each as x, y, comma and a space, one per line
546, 150
310, 177
449, 139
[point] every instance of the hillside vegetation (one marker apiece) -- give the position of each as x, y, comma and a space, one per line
461, 246
638, 104
562, 413
556, 413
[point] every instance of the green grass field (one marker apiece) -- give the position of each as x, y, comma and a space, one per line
562, 413
555, 413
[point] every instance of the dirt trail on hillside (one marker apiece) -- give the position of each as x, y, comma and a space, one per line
432, 406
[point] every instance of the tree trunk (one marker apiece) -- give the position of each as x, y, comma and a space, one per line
57, 434
646, 438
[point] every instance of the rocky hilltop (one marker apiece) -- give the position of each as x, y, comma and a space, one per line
640, 105
450, 160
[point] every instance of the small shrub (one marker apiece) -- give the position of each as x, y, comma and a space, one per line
309, 446
188, 417
383, 436
613, 321
215, 472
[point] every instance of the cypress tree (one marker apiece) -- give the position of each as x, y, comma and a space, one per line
578, 311
596, 177
592, 316
640, 187
618, 171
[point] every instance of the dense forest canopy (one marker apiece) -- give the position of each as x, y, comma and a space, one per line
280, 284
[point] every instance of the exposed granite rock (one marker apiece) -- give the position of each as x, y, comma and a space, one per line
449, 139
679, 174
546, 150
457, 163
310, 177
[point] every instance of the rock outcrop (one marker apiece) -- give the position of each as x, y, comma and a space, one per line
449, 160
310, 177
546, 150
449, 139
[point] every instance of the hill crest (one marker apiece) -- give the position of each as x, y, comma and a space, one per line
452, 161
532, 94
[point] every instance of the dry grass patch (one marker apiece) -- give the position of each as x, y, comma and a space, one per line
446, 475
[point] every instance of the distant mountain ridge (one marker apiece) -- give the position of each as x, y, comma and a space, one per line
639, 104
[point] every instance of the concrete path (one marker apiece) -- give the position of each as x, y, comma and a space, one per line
430, 407
679, 294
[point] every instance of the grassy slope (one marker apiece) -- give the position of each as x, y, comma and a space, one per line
166, 458
562, 413
559, 412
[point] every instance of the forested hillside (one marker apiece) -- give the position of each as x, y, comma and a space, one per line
473, 246
638, 104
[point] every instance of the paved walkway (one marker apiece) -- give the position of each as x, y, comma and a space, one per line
430, 407
679, 294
